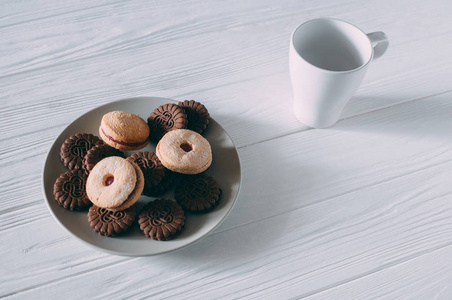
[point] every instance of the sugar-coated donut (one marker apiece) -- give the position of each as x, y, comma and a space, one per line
123, 130
184, 151
114, 183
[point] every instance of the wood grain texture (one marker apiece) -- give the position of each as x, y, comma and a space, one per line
358, 211
407, 280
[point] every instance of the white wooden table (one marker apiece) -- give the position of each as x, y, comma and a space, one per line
361, 210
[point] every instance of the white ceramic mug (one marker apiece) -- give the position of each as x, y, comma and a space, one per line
328, 59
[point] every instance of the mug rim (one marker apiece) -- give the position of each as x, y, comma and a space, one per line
337, 21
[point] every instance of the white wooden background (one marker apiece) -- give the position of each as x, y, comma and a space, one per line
362, 210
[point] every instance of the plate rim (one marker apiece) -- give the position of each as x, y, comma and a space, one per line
141, 254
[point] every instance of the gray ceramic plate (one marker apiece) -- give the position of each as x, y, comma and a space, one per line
225, 169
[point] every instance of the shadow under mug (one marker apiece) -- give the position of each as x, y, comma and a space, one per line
328, 59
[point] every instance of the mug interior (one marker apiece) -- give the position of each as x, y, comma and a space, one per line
332, 45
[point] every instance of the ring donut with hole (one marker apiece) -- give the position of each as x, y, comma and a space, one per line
115, 183
184, 151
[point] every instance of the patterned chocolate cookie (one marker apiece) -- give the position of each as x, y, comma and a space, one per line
197, 193
74, 149
197, 115
69, 190
111, 223
154, 172
165, 118
97, 153
163, 186
161, 219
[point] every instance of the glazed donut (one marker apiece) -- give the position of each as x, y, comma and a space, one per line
184, 151
114, 183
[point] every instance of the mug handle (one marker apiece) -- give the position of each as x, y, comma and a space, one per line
379, 42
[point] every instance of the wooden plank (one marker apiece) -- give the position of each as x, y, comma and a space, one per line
370, 189
427, 276
346, 157
369, 199
232, 76
294, 254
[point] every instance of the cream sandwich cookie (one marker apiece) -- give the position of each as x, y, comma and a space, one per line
115, 183
184, 151
124, 131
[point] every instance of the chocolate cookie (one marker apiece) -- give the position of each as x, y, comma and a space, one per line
111, 223
97, 153
69, 190
74, 149
165, 118
197, 115
163, 186
161, 219
198, 193
155, 174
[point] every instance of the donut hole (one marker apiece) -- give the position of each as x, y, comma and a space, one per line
186, 147
108, 179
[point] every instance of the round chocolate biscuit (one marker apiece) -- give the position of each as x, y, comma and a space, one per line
197, 115
97, 153
197, 193
165, 118
161, 219
109, 222
75, 147
70, 192
163, 186
155, 174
